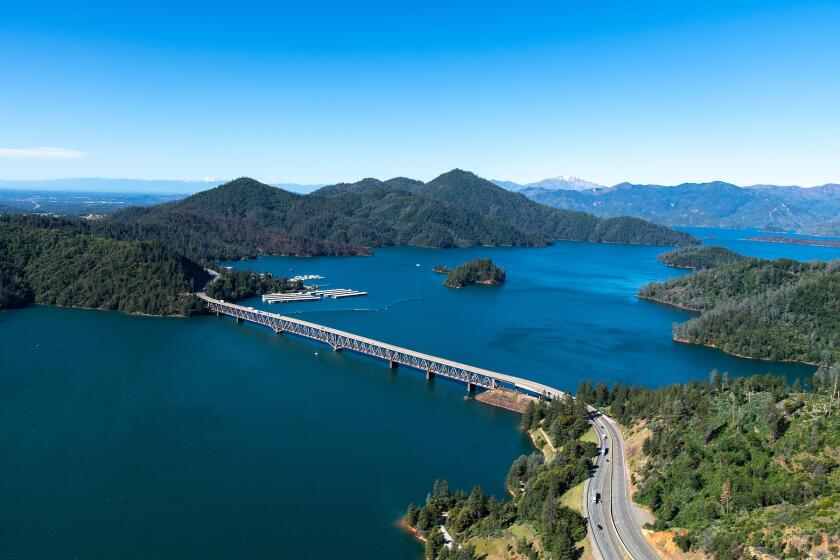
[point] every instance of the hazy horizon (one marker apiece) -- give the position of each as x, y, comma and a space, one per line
169, 186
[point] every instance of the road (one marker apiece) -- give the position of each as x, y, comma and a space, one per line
615, 534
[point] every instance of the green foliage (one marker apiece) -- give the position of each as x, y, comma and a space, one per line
477, 271
770, 309
233, 285
245, 218
738, 463
536, 486
59, 262
700, 257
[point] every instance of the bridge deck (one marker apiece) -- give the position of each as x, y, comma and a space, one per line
394, 354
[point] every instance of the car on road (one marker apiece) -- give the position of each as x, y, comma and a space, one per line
596, 498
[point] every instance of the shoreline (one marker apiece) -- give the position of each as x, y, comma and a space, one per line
710, 345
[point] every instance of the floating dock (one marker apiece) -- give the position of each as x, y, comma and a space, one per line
339, 293
289, 297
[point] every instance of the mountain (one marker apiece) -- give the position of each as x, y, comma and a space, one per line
714, 204
563, 182
246, 218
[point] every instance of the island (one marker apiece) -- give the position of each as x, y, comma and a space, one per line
478, 271
697, 258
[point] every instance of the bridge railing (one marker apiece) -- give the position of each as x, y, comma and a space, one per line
340, 340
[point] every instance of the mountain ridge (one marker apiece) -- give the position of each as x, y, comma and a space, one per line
246, 218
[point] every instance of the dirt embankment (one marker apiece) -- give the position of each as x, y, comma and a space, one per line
505, 398
661, 541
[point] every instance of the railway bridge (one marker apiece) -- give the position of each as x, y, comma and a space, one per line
433, 366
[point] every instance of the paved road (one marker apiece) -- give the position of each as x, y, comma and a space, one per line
615, 533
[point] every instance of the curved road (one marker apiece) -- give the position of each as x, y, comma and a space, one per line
615, 534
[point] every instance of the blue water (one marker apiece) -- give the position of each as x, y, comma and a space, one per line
567, 312
140, 437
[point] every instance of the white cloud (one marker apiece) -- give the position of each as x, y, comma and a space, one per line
40, 153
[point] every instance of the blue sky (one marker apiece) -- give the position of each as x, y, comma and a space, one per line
315, 92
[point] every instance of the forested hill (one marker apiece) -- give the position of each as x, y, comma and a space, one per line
245, 218
700, 257
738, 468
769, 309
470, 191
61, 262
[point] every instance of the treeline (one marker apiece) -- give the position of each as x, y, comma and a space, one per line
700, 257
536, 488
738, 466
245, 218
770, 309
233, 285
477, 271
61, 262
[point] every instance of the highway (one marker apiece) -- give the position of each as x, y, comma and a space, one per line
614, 533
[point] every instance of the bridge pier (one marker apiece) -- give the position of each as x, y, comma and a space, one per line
239, 319
430, 375
470, 387
336, 348
392, 364
218, 314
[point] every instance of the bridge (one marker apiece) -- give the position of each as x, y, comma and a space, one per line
433, 366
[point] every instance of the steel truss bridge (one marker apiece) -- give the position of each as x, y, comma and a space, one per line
339, 340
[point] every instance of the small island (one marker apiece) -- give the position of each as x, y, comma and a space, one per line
698, 258
478, 271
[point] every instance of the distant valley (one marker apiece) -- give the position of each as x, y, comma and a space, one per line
814, 210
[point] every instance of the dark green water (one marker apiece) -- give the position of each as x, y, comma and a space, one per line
133, 437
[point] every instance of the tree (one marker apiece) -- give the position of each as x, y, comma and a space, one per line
411, 516
434, 543
726, 495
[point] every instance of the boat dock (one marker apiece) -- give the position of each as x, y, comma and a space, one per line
289, 297
339, 293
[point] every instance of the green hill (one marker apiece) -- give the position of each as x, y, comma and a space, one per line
770, 309
59, 262
245, 218
700, 257
470, 191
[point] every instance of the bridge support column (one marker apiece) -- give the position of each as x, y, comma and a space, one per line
336, 348
430, 374
470, 387
392, 364
239, 319
218, 314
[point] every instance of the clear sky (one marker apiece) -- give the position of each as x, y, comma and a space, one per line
316, 92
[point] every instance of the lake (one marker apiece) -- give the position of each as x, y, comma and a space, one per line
138, 437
